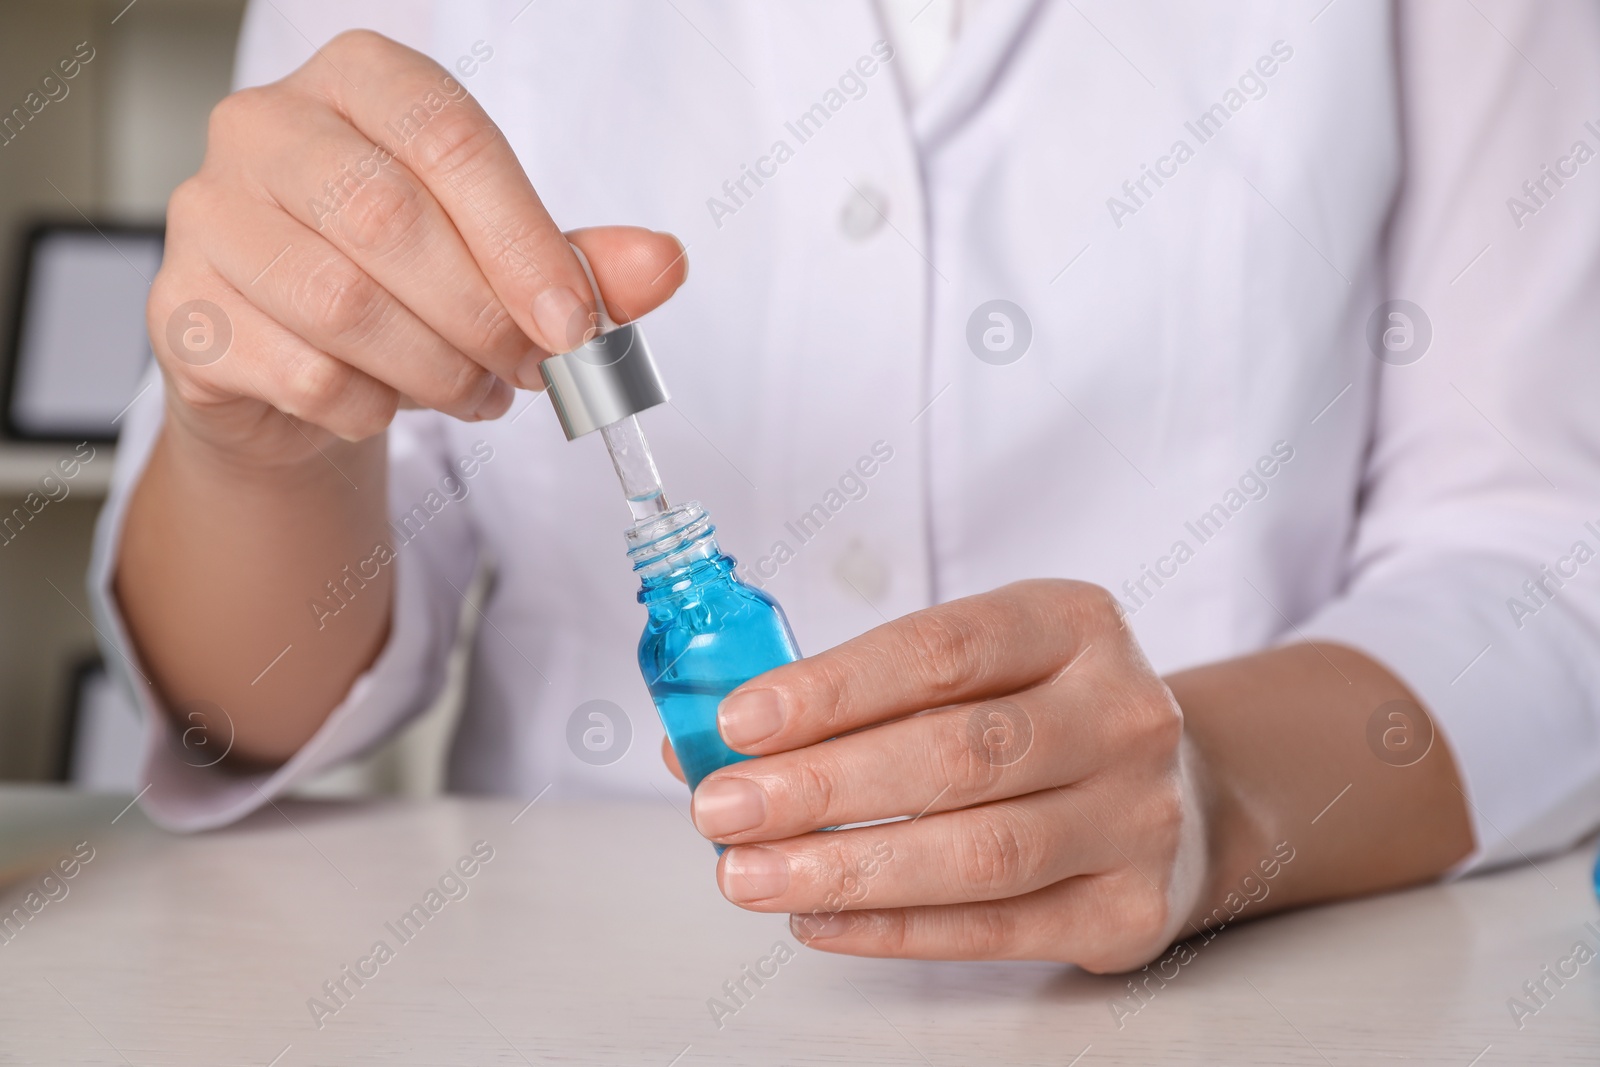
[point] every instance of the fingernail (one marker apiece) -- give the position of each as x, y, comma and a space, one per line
561, 318
749, 717
725, 806
818, 927
497, 401
753, 873
683, 255
528, 375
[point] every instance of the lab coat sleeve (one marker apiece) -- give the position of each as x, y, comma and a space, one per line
185, 787
183, 792
1475, 569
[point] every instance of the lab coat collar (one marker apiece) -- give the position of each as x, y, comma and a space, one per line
981, 58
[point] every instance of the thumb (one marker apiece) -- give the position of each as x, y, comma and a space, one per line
637, 269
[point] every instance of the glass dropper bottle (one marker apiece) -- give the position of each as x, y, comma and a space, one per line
706, 632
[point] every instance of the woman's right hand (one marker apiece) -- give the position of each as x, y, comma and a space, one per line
360, 237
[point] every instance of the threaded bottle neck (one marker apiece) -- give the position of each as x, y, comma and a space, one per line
665, 544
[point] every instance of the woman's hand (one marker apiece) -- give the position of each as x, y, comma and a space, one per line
361, 235
1053, 806
1054, 802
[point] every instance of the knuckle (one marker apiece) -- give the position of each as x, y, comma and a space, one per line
1167, 809
1134, 930
341, 299
235, 125
946, 644
454, 142
359, 44
813, 785
987, 930
162, 299
991, 856
186, 206
1144, 914
959, 757
168, 290
893, 931
373, 418
1158, 721
1098, 604
189, 392
466, 385
314, 384
1053, 588
838, 877
493, 329
224, 113
520, 246
382, 216
827, 683
1168, 719
234, 113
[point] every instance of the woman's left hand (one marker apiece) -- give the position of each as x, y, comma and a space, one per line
1051, 796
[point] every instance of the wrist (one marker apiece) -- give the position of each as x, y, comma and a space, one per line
265, 451
1238, 840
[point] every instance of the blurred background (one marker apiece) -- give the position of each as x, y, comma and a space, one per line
103, 109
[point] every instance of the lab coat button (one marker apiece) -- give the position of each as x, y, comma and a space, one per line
862, 572
864, 211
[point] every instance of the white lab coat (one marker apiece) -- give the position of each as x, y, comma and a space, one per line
1187, 336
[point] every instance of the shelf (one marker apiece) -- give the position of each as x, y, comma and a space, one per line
24, 464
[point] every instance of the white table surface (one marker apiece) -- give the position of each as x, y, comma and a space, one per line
596, 935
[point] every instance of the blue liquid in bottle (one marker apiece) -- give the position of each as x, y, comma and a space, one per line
707, 632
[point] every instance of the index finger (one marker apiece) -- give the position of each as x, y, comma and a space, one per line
968, 649
404, 101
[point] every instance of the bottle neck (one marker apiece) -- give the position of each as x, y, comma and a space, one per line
675, 552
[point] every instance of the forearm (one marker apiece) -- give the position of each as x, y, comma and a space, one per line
219, 566
1281, 739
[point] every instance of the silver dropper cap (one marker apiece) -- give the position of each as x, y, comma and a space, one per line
607, 378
